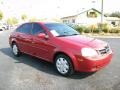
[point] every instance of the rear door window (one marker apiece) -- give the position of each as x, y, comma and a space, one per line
25, 28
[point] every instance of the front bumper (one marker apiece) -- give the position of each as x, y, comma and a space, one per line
89, 65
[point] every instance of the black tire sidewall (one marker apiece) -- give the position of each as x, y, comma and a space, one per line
71, 69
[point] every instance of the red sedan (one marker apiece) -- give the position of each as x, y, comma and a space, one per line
61, 45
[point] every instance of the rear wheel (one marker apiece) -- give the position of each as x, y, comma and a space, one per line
64, 65
15, 50
1, 29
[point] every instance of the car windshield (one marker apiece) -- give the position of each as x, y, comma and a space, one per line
61, 30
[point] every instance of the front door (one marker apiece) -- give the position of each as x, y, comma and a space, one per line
43, 48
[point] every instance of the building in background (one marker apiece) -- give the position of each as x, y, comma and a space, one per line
114, 21
90, 17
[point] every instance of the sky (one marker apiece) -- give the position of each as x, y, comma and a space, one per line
54, 8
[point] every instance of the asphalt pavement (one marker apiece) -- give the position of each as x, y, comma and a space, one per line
30, 73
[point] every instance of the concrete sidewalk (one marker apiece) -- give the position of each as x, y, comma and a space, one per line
102, 36
105, 36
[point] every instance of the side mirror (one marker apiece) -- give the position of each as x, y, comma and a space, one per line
43, 36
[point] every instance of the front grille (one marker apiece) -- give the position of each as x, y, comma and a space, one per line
105, 50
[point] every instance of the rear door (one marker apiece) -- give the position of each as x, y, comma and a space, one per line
24, 38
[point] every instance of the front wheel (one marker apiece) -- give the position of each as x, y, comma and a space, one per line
64, 65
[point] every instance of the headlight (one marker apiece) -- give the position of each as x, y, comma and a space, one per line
88, 52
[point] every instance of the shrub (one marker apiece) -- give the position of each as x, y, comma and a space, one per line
105, 30
79, 28
105, 27
94, 29
115, 30
87, 30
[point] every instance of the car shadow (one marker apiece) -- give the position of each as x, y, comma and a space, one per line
40, 64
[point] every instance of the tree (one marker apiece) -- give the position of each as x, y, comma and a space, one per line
9, 21
15, 20
115, 14
1, 15
24, 17
1, 1
12, 21
33, 19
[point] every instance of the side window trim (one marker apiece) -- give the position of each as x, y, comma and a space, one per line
24, 26
41, 29
31, 28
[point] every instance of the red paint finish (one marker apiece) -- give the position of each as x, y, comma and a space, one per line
89, 65
46, 48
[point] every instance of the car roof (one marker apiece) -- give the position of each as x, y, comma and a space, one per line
42, 22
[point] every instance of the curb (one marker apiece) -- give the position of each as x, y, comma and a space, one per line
105, 36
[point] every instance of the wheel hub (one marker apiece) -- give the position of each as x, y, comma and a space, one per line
62, 65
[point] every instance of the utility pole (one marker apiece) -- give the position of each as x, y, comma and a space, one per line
102, 14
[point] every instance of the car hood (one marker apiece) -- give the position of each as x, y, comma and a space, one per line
80, 39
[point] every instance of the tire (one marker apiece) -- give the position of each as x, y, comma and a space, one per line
1, 29
63, 65
15, 50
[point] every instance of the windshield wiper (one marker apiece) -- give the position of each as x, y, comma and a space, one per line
67, 35
74, 34
62, 35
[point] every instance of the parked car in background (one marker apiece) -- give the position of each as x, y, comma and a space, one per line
62, 45
1, 28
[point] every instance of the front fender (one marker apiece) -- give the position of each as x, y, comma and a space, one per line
70, 54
